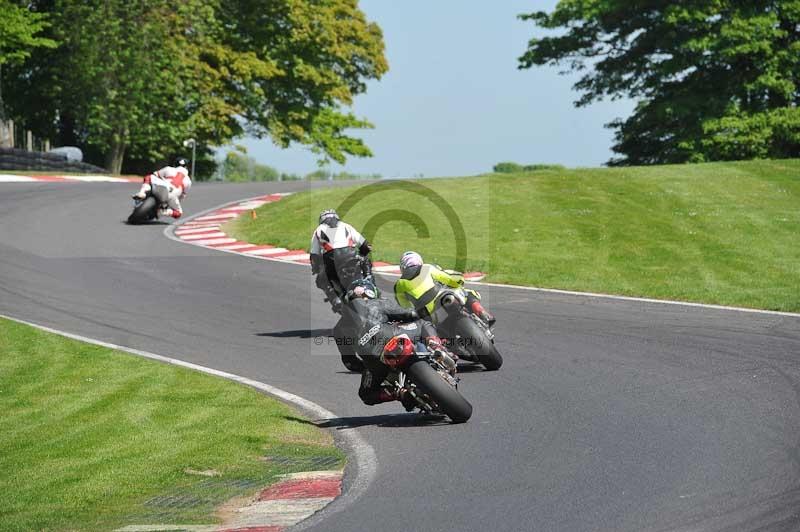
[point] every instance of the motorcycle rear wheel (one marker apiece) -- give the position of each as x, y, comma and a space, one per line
478, 344
448, 399
144, 211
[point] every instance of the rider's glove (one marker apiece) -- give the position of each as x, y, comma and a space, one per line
434, 343
316, 263
408, 402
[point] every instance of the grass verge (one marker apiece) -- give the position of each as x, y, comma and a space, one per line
724, 233
94, 439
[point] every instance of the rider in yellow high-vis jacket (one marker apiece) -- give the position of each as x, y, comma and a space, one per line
420, 284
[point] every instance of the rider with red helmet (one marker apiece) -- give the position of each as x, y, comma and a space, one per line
382, 331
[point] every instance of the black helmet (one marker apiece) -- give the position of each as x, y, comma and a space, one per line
362, 288
329, 218
181, 161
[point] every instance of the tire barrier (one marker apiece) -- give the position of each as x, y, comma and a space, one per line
15, 159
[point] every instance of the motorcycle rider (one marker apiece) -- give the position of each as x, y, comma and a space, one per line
338, 256
380, 328
173, 183
419, 286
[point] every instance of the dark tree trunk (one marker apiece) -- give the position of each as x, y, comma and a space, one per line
116, 153
5, 136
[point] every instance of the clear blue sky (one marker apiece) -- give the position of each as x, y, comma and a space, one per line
453, 101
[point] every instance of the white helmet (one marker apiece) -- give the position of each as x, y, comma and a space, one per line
329, 218
410, 259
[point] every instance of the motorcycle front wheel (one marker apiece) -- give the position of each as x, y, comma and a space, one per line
448, 399
143, 212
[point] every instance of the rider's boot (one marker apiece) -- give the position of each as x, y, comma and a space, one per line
333, 298
483, 314
142, 192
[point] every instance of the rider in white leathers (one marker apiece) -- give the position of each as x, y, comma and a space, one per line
175, 181
338, 256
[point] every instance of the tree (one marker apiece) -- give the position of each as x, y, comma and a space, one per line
19, 29
240, 167
322, 52
133, 79
715, 79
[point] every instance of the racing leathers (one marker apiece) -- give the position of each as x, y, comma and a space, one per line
373, 323
170, 185
419, 287
338, 257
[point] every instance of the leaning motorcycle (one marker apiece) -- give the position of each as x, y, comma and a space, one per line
467, 335
343, 335
429, 377
146, 209
342, 331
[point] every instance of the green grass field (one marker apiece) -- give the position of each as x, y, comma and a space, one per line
724, 233
94, 439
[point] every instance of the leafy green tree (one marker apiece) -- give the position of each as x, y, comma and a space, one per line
321, 54
19, 35
133, 79
19, 29
715, 79
239, 167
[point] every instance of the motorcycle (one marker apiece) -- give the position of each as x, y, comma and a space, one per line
430, 379
342, 333
343, 338
146, 209
465, 333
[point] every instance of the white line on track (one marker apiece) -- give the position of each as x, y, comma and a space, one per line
246, 206
385, 269
364, 465
217, 217
9, 178
298, 256
232, 247
638, 299
200, 225
197, 230
98, 179
211, 233
498, 285
214, 241
267, 251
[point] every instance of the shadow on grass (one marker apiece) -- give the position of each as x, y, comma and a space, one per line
383, 420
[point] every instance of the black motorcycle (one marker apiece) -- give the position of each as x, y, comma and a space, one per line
342, 331
430, 378
146, 209
464, 332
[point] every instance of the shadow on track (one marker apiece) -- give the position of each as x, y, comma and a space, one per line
149, 222
300, 333
383, 420
469, 367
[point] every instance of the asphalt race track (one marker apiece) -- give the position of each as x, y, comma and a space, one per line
607, 415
